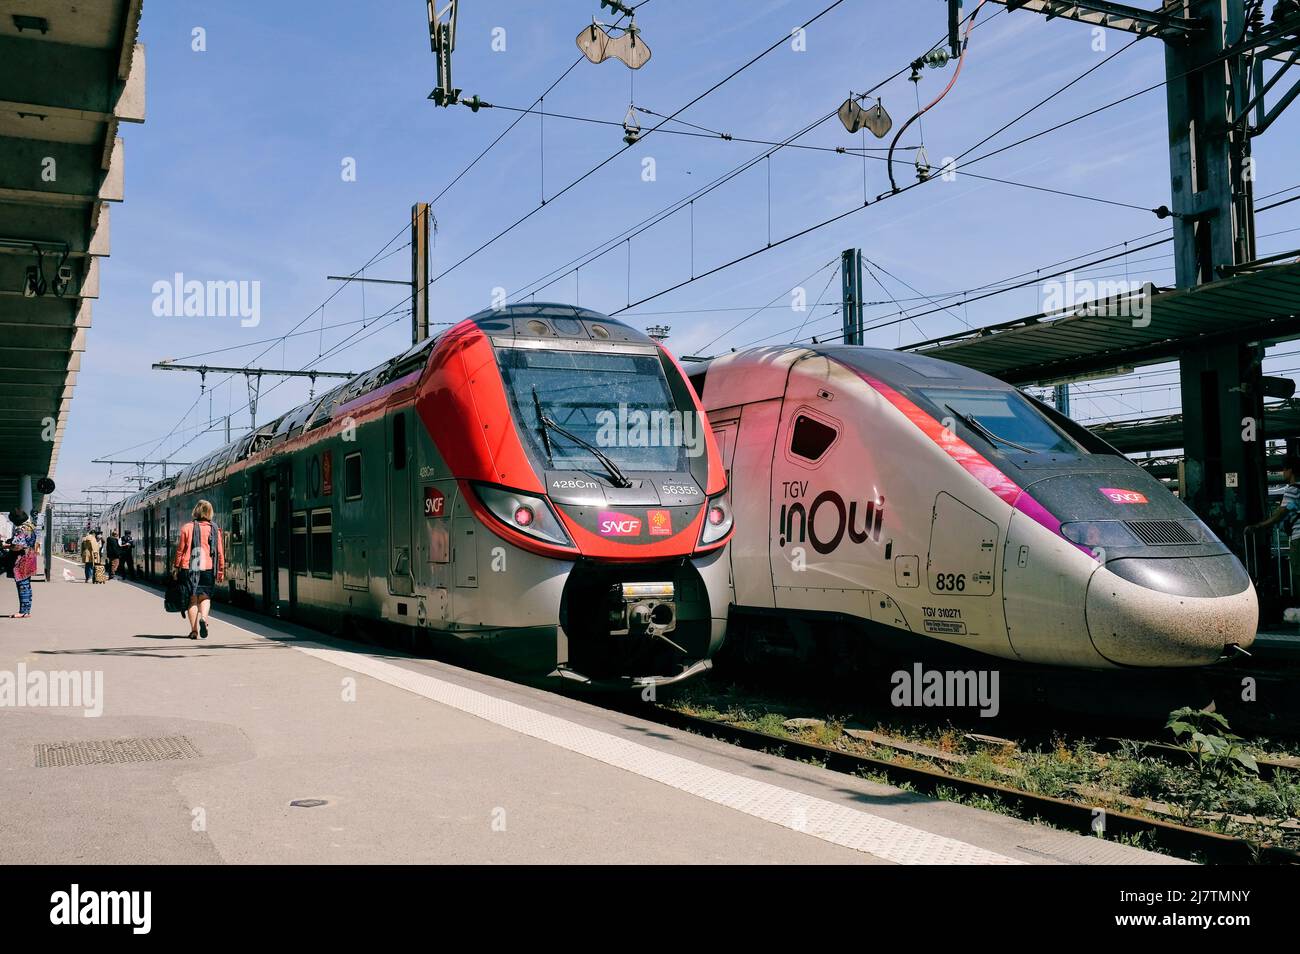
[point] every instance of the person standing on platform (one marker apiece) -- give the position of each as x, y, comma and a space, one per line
200, 555
23, 543
89, 555
113, 553
127, 547
1288, 514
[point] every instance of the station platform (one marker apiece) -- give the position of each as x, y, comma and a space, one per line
1278, 643
271, 743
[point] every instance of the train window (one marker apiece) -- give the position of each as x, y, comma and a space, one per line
399, 441
810, 438
352, 477
253, 528
298, 543
619, 402
1004, 419
322, 543
237, 520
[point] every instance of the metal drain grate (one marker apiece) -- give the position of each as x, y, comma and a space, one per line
168, 748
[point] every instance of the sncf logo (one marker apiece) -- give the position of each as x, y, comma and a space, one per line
1123, 496
859, 521
615, 524
435, 502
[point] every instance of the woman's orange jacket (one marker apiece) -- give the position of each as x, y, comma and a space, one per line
206, 534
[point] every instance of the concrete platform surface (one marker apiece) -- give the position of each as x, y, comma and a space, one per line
394, 759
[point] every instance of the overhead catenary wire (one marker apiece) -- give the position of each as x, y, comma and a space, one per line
900, 191
884, 196
291, 334
337, 291
798, 284
505, 132
980, 158
455, 179
922, 110
604, 162
682, 203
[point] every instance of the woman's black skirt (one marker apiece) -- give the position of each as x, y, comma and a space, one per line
204, 581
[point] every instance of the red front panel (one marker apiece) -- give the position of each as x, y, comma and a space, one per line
466, 411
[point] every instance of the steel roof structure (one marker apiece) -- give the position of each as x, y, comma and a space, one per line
1166, 433
1111, 334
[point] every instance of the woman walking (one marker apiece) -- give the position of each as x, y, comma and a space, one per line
23, 543
200, 555
89, 555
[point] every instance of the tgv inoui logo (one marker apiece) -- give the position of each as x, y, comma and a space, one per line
103, 907
796, 523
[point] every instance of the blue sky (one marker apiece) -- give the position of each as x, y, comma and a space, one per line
237, 176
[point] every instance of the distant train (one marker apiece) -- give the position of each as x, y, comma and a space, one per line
537, 484
893, 498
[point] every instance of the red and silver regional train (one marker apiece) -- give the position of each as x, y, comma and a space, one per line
537, 484
901, 497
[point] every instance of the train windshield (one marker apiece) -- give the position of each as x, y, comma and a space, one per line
1004, 419
596, 404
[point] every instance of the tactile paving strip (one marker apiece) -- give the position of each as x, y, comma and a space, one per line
829, 821
115, 751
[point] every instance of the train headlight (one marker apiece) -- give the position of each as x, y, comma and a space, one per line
523, 512
717, 520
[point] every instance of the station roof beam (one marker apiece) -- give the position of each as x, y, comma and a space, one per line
70, 76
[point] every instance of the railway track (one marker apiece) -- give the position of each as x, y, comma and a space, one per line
1260, 698
1193, 844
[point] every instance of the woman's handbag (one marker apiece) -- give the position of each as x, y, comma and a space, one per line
175, 598
25, 566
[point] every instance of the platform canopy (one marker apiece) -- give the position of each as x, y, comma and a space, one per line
1166, 433
70, 75
1126, 331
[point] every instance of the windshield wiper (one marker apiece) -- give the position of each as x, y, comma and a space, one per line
982, 430
547, 424
541, 426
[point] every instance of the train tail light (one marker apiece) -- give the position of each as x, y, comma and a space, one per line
523, 512
717, 520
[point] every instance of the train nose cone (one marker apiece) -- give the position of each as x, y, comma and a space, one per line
1170, 612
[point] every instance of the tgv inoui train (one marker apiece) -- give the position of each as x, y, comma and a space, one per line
907, 495
537, 483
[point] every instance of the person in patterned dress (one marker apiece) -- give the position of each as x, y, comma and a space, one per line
23, 543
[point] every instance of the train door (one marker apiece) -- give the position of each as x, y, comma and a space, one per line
750, 473
165, 545
400, 581
269, 511
827, 499
150, 518
959, 575
236, 547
